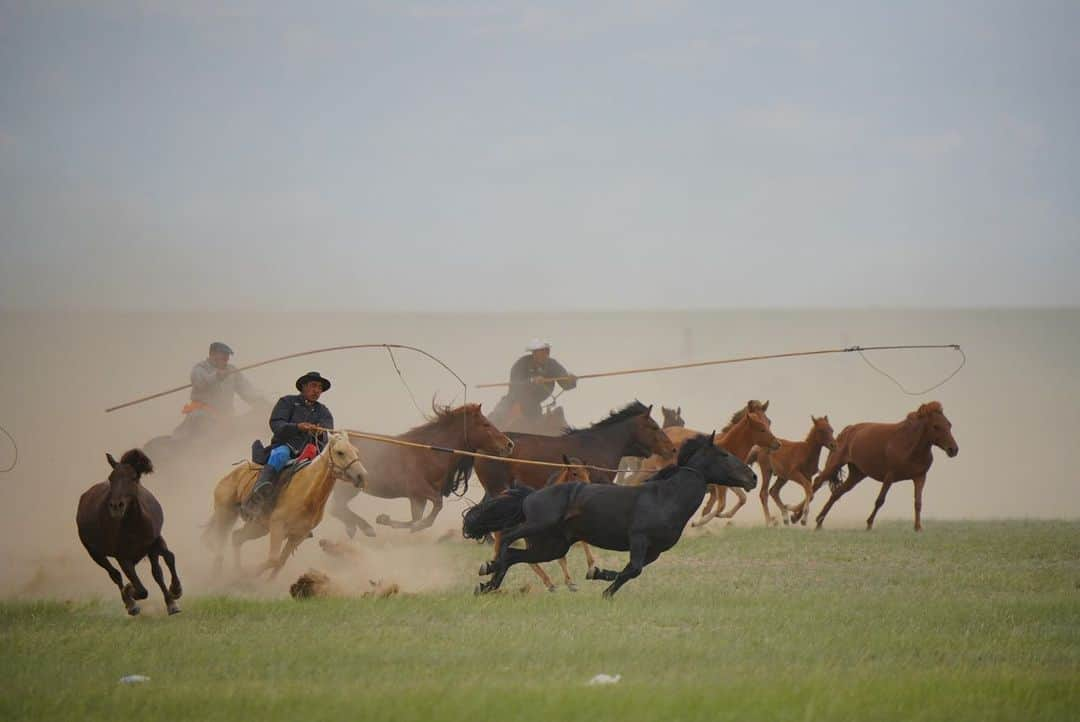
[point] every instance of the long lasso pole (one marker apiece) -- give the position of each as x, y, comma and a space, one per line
739, 359
299, 354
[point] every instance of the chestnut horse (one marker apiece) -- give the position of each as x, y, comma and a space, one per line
888, 453
795, 461
120, 518
630, 431
298, 509
419, 474
573, 471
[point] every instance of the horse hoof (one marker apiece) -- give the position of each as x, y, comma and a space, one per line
173, 609
485, 569
369, 532
134, 610
570, 586
592, 573
478, 590
551, 588
176, 591
383, 519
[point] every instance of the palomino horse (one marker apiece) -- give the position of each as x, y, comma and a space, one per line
630, 431
795, 461
120, 518
888, 453
645, 520
418, 474
573, 471
299, 506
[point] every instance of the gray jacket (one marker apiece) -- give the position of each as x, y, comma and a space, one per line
217, 391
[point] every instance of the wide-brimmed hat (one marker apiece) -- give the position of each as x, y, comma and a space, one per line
312, 376
220, 347
537, 345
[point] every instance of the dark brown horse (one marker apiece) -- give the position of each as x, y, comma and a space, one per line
795, 461
419, 475
629, 466
629, 431
120, 518
888, 453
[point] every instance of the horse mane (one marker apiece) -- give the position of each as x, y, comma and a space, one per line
689, 448
138, 461
754, 405
634, 408
444, 414
925, 410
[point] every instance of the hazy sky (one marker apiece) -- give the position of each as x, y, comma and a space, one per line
512, 155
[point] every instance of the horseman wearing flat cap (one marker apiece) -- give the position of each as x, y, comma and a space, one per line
528, 385
214, 384
296, 422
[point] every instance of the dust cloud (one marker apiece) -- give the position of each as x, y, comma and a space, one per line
1015, 409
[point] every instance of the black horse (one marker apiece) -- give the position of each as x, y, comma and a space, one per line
645, 520
120, 518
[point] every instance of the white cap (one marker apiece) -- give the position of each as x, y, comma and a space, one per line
537, 345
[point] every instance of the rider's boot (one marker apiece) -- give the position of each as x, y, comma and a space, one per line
261, 494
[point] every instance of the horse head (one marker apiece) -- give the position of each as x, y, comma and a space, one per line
822, 432
939, 428
575, 471
482, 435
716, 465
672, 417
648, 438
345, 460
760, 426
124, 480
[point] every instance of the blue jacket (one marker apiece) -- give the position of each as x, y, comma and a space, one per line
292, 410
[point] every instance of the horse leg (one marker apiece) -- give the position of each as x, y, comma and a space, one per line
544, 578
716, 494
785, 510
740, 498
566, 575
541, 549
250, 530
489, 566
155, 569
175, 589
277, 538
802, 509
436, 507
339, 509
290, 546
766, 477
137, 590
214, 537
854, 477
639, 557
920, 482
125, 595
594, 572
416, 509
880, 501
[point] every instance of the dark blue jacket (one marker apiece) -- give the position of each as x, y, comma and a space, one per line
292, 410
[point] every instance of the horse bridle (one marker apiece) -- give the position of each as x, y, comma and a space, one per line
340, 472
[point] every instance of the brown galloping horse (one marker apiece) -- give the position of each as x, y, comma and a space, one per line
120, 518
630, 431
630, 467
298, 509
419, 474
888, 453
573, 471
795, 461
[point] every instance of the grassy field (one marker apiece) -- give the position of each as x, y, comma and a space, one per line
976, 621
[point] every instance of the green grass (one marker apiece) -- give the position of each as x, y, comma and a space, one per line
976, 621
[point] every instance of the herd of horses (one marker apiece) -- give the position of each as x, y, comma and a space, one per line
572, 497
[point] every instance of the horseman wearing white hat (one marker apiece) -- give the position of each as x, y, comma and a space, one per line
528, 387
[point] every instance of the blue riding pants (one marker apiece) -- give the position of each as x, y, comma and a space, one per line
279, 456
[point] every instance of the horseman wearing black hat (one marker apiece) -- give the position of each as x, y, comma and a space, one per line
295, 421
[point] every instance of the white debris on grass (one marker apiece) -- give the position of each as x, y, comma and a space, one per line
604, 679
134, 679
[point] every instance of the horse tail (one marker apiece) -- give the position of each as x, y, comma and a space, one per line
457, 476
138, 461
495, 514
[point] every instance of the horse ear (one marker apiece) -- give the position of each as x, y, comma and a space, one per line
679, 411
110, 459
565, 459
765, 406
712, 438
649, 410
